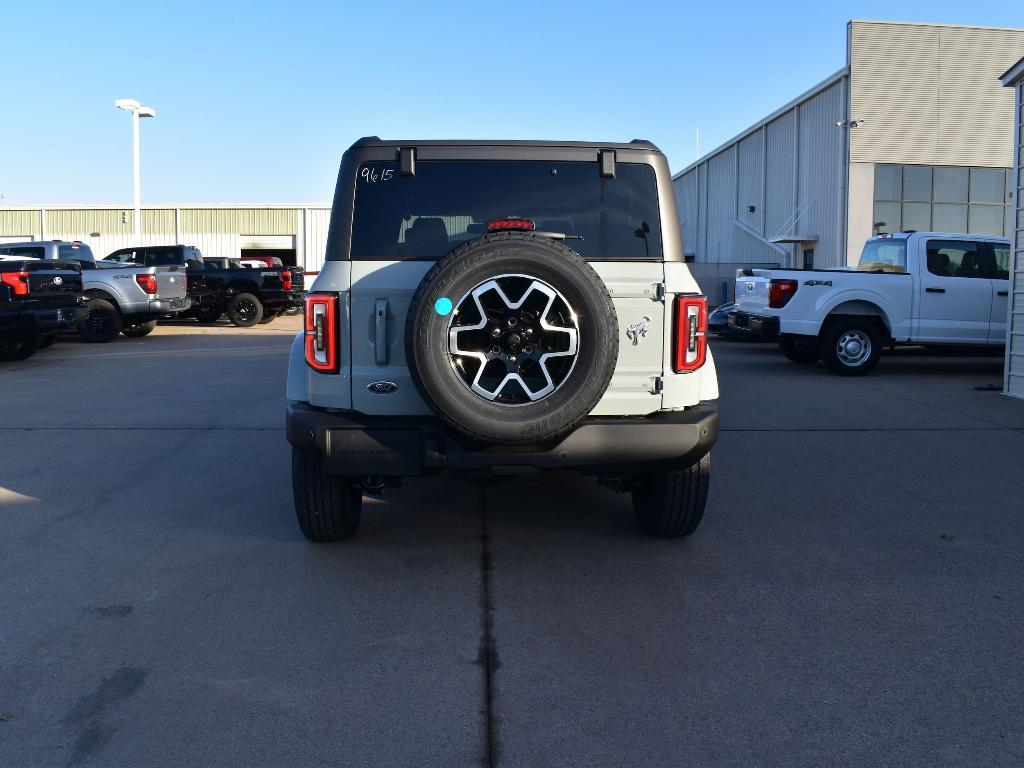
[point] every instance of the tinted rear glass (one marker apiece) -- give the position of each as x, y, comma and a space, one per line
35, 252
163, 257
72, 252
448, 202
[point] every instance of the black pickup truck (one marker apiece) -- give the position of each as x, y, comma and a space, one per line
246, 295
37, 300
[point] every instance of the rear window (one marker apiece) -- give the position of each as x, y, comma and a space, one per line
29, 252
163, 257
448, 202
75, 252
886, 255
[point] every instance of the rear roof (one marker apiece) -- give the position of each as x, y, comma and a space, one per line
376, 141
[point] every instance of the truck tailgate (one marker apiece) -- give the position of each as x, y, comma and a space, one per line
52, 283
170, 283
752, 290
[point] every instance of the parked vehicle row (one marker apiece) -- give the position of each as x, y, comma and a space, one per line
121, 298
929, 288
52, 286
216, 287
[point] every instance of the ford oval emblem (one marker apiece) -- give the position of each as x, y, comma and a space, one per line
382, 387
58, 280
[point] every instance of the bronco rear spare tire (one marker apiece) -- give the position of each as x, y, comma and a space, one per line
512, 338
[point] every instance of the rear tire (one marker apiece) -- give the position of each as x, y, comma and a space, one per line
268, 316
329, 508
19, 346
800, 349
244, 310
48, 340
139, 329
103, 323
671, 505
851, 347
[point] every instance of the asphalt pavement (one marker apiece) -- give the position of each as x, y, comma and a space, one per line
853, 596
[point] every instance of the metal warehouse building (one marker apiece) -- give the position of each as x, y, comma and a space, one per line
298, 234
1014, 383
915, 132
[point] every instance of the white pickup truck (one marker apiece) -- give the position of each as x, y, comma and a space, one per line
930, 288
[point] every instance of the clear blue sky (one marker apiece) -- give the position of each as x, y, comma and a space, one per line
257, 100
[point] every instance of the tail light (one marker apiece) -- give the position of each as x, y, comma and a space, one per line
780, 292
690, 333
147, 283
17, 281
511, 223
322, 332
286, 279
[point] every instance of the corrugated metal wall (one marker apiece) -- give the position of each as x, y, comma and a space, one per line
790, 169
215, 231
1014, 383
929, 94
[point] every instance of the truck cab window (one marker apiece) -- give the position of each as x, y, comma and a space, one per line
955, 258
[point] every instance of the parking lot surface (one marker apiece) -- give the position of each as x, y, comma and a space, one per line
853, 596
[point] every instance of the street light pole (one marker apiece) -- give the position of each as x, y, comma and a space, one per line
137, 111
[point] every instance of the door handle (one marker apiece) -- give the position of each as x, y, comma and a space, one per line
935, 290
1002, 293
380, 332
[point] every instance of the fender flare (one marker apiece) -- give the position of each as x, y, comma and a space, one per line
100, 293
855, 301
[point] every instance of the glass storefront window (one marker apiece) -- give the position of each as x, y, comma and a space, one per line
947, 217
950, 185
917, 183
917, 216
985, 220
888, 182
988, 185
887, 217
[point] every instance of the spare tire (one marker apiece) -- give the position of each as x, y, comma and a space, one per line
512, 338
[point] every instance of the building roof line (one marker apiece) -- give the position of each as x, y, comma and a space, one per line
788, 106
1013, 74
934, 24
162, 207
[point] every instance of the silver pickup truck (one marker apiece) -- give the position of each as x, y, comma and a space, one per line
121, 298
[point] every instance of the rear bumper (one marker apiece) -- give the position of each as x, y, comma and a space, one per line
355, 444
762, 326
50, 319
281, 300
165, 306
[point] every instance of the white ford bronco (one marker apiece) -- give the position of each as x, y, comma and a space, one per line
491, 308
932, 288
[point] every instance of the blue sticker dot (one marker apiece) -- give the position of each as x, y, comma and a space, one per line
443, 306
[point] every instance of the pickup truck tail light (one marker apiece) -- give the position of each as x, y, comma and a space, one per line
780, 292
322, 332
690, 333
286, 279
147, 282
17, 281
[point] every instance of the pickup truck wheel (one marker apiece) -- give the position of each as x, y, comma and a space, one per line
139, 329
244, 310
800, 349
328, 507
851, 347
268, 316
103, 323
47, 340
209, 315
512, 338
19, 346
671, 505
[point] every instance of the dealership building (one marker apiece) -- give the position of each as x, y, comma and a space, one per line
915, 132
297, 234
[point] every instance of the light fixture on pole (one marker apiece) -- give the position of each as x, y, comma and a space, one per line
137, 110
